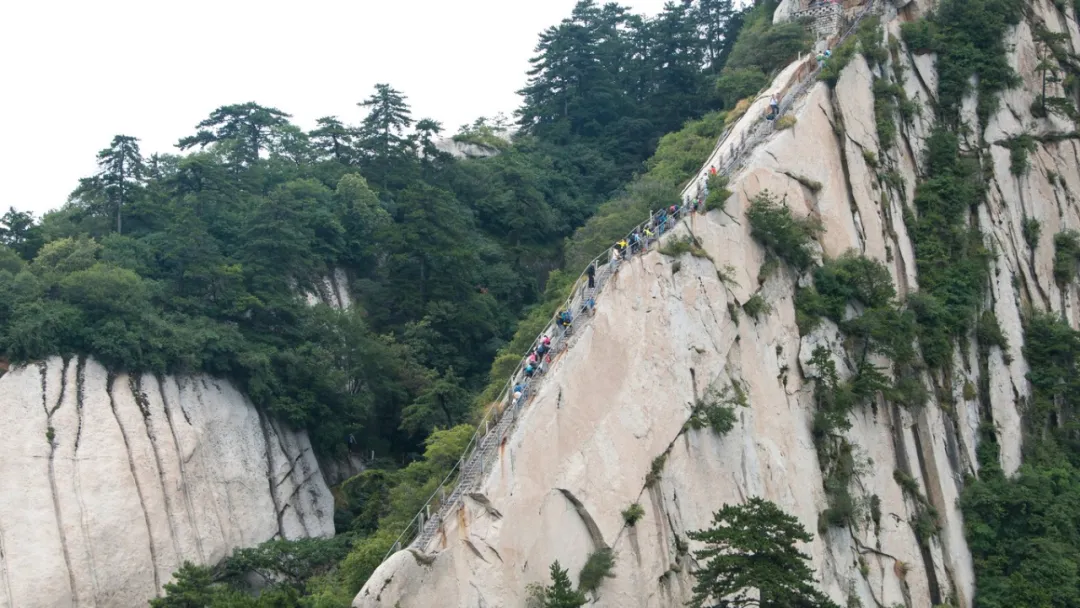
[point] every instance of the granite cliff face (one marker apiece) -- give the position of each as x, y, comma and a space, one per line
664, 335
110, 482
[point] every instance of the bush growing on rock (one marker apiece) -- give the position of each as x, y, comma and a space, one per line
656, 469
632, 514
737, 112
1032, 230
756, 306
782, 234
718, 193
1066, 253
597, 567
675, 247
716, 409
785, 122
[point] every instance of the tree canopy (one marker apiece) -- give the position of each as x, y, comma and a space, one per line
750, 559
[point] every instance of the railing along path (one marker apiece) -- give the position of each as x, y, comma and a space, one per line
498, 422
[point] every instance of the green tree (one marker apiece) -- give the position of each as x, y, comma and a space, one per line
118, 180
444, 402
765, 45
574, 88
192, 587
677, 56
718, 23
332, 139
17, 231
424, 139
246, 129
382, 133
287, 561
750, 559
561, 593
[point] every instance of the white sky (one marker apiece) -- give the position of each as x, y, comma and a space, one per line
77, 72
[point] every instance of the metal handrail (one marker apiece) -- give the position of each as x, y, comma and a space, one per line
494, 412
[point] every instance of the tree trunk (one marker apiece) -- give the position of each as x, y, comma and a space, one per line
120, 200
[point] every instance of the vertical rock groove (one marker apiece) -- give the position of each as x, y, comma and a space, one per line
278, 510
55, 494
298, 486
184, 487
924, 543
144, 405
586, 518
80, 392
4, 579
135, 478
80, 381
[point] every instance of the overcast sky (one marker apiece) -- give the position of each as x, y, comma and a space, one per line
76, 73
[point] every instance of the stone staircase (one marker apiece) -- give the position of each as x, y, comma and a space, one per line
480, 459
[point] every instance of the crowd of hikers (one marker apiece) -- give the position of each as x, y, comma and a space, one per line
640, 240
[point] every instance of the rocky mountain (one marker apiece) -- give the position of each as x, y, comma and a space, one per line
608, 427
112, 481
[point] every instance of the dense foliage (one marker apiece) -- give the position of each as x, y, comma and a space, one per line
782, 234
1024, 531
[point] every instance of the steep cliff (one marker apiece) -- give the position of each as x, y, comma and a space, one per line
110, 482
664, 334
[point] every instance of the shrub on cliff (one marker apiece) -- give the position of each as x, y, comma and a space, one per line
597, 567
718, 192
782, 234
1066, 255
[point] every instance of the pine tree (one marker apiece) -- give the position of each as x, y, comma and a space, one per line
382, 133
751, 560
574, 88
676, 60
561, 593
424, 139
718, 24
333, 139
246, 127
192, 587
385, 150
17, 231
117, 182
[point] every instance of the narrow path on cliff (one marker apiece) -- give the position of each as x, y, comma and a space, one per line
500, 420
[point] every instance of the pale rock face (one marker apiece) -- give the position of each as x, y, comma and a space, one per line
660, 338
785, 10
459, 149
111, 482
332, 290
